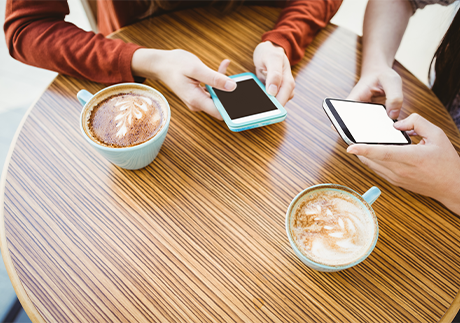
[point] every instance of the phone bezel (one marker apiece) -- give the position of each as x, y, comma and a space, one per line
257, 116
342, 129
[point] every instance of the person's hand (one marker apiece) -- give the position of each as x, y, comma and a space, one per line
183, 72
431, 168
375, 85
273, 69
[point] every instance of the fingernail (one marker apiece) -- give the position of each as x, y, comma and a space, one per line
394, 114
272, 89
230, 85
350, 149
398, 123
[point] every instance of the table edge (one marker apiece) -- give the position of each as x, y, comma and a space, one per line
452, 311
26, 303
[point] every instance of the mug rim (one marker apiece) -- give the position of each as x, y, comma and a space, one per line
307, 260
157, 135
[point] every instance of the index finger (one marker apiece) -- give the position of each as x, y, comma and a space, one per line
286, 91
401, 154
213, 78
274, 66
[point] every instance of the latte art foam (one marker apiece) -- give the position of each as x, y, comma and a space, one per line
125, 120
332, 228
130, 109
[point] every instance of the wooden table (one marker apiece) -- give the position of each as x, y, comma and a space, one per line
199, 234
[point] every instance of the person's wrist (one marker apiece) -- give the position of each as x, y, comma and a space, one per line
373, 64
148, 63
453, 204
451, 198
275, 46
375, 69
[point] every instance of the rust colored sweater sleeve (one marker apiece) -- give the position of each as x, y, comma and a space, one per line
36, 34
298, 24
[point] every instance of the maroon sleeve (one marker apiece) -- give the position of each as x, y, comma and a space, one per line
298, 24
36, 34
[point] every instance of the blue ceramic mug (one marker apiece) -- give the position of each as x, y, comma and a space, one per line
134, 157
365, 200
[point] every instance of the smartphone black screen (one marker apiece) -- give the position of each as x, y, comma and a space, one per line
246, 100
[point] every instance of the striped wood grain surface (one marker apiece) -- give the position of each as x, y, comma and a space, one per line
199, 234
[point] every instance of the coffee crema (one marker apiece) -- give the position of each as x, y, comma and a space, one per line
125, 120
332, 227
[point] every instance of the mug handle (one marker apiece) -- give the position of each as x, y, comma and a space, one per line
371, 195
84, 96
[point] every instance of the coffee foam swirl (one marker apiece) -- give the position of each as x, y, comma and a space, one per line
126, 119
130, 109
332, 228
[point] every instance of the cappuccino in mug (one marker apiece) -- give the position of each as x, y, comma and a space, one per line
332, 227
126, 119
126, 123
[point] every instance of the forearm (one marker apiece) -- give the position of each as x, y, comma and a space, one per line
453, 204
77, 53
384, 25
148, 63
298, 24
451, 194
37, 34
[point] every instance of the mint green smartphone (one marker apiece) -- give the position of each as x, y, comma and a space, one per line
249, 106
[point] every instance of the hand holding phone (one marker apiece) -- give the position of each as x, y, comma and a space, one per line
248, 106
363, 123
431, 168
183, 72
274, 70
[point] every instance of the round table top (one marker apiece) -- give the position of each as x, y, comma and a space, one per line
199, 234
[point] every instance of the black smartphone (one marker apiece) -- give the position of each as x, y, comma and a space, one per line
363, 123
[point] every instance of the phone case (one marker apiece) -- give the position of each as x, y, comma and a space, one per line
236, 127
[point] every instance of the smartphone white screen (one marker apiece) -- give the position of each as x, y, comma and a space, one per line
368, 123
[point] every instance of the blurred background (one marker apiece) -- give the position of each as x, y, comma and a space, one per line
21, 85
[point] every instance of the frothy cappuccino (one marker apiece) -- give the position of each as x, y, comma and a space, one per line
332, 227
125, 119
